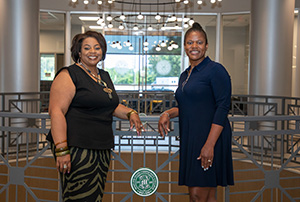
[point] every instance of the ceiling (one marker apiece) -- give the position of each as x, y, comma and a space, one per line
52, 15
224, 6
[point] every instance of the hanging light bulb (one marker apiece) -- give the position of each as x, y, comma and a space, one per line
177, 1
131, 47
219, 0
99, 2
146, 48
157, 17
175, 45
122, 16
135, 27
173, 18
170, 47
212, 1
86, 2
100, 21
200, 2
113, 45
185, 1
150, 28
140, 16
185, 25
74, 1
127, 43
163, 44
191, 21
119, 46
121, 26
158, 48
109, 18
110, 1
103, 24
185, 19
110, 25
146, 43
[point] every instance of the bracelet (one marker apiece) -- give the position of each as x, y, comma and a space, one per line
60, 142
165, 113
63, 153
131, 112
62, 149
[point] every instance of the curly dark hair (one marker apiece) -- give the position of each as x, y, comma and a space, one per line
77, 43
196, 28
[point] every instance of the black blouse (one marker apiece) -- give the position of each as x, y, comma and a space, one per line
89, 117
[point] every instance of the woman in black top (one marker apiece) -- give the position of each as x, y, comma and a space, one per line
83, 102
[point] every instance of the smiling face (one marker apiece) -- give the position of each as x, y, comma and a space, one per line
91, 52
195, 47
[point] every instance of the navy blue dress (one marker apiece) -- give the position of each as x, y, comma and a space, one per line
204, 99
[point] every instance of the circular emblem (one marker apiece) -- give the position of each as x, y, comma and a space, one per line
163, 67
144, 182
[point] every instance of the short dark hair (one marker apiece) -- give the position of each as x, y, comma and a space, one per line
196, 28
77, 43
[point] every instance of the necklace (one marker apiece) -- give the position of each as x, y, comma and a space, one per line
99, 80
186, 80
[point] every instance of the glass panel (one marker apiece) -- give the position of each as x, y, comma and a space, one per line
163, 72
51, 45
47, 67
236, 50
137, 69
51, 32
208, 22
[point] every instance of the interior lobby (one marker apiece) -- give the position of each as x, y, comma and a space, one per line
257, 41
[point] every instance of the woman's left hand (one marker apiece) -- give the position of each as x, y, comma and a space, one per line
206, 156
135, 120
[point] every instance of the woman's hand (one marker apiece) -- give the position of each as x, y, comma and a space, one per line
207, 151
206, 156
135, 121
163, 124
63, 164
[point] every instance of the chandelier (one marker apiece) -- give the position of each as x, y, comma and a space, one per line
145, 16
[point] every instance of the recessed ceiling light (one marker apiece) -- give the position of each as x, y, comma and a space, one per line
88, 18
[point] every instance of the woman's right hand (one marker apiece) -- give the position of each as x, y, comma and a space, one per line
163, 124
63, 163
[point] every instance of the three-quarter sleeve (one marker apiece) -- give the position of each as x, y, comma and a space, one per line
221, 86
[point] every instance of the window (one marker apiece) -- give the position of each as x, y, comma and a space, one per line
236, 50
47, 67
137, 69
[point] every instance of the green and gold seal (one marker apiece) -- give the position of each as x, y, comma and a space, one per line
144, 182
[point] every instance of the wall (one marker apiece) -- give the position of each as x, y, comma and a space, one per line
52, 41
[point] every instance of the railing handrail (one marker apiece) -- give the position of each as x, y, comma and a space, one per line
154, 117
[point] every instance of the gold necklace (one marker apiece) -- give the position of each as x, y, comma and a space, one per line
99, 80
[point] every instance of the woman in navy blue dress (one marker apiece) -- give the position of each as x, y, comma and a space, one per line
203, 96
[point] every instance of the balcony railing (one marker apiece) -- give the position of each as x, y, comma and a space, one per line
266, 160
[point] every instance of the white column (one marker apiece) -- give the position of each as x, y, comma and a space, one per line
219, 39
68, 39
271, 47
297, 70
19, 46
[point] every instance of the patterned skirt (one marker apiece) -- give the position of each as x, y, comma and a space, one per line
87, 178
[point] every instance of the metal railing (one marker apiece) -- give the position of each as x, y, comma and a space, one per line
266, 160
151, 102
